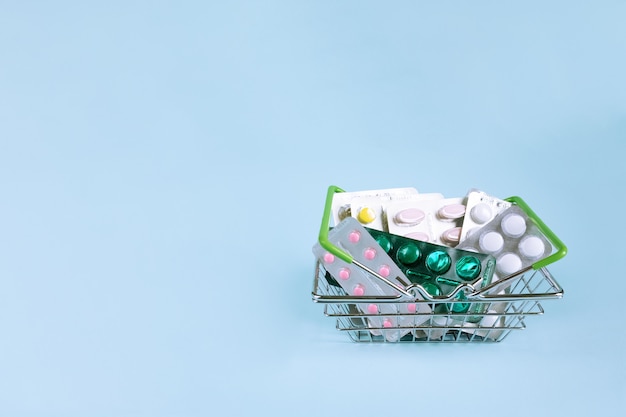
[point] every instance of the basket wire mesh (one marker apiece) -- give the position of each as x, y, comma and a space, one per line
504, 306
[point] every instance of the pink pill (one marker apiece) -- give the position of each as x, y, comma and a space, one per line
329, 258
384, 270
409, 216
369, 253
387, 323
452, 235
358, 290
452, 211
344, 273
372, 309
354, 237
411, 308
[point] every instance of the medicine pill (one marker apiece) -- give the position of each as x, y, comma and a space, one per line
451, 212
409, 216
468, 268
513, 225
432, 289
481, 208
408, 254
508, 263
369, 253
438, 262
490, 242
366, 215
481, 213
531, 247
344, 273
358, 290
384, 243
451, 236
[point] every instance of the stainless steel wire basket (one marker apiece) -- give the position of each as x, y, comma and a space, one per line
487, 314
505, 305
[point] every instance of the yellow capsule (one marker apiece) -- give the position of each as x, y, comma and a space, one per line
366, 215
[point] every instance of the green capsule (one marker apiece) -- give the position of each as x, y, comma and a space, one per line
458, 307
416, 276
448, 281
438, 262
468, 268
384, 243
408, 254
432, 289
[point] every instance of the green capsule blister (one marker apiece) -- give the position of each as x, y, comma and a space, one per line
437, 266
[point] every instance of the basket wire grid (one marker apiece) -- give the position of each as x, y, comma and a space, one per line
505, 307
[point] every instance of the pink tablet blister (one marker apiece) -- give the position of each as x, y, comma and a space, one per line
436, 221
481, 208
350, 236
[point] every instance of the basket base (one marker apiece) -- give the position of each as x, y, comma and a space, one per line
487, 320
451, 336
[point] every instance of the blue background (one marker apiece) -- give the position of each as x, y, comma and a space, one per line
163, 169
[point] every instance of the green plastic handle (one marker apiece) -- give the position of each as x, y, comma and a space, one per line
561, 249
323, 237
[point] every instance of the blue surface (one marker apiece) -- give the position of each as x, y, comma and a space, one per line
163, 168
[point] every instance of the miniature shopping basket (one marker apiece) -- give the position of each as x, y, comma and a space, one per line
494, 310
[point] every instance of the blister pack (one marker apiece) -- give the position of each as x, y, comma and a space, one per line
353, 238
516, 243
439, 269
512, 238
430, 220
341, 202
481, 208
373, 212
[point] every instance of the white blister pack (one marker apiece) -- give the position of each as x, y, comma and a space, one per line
481, 208
373, 212
514, 240
434, 220
341, 202
516, 243
353, 238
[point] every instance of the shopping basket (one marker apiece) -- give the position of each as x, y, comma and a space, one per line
494, 310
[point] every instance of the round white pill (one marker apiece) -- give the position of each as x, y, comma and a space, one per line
491, 242
513, 225
481, 213
508, 264
531, 247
